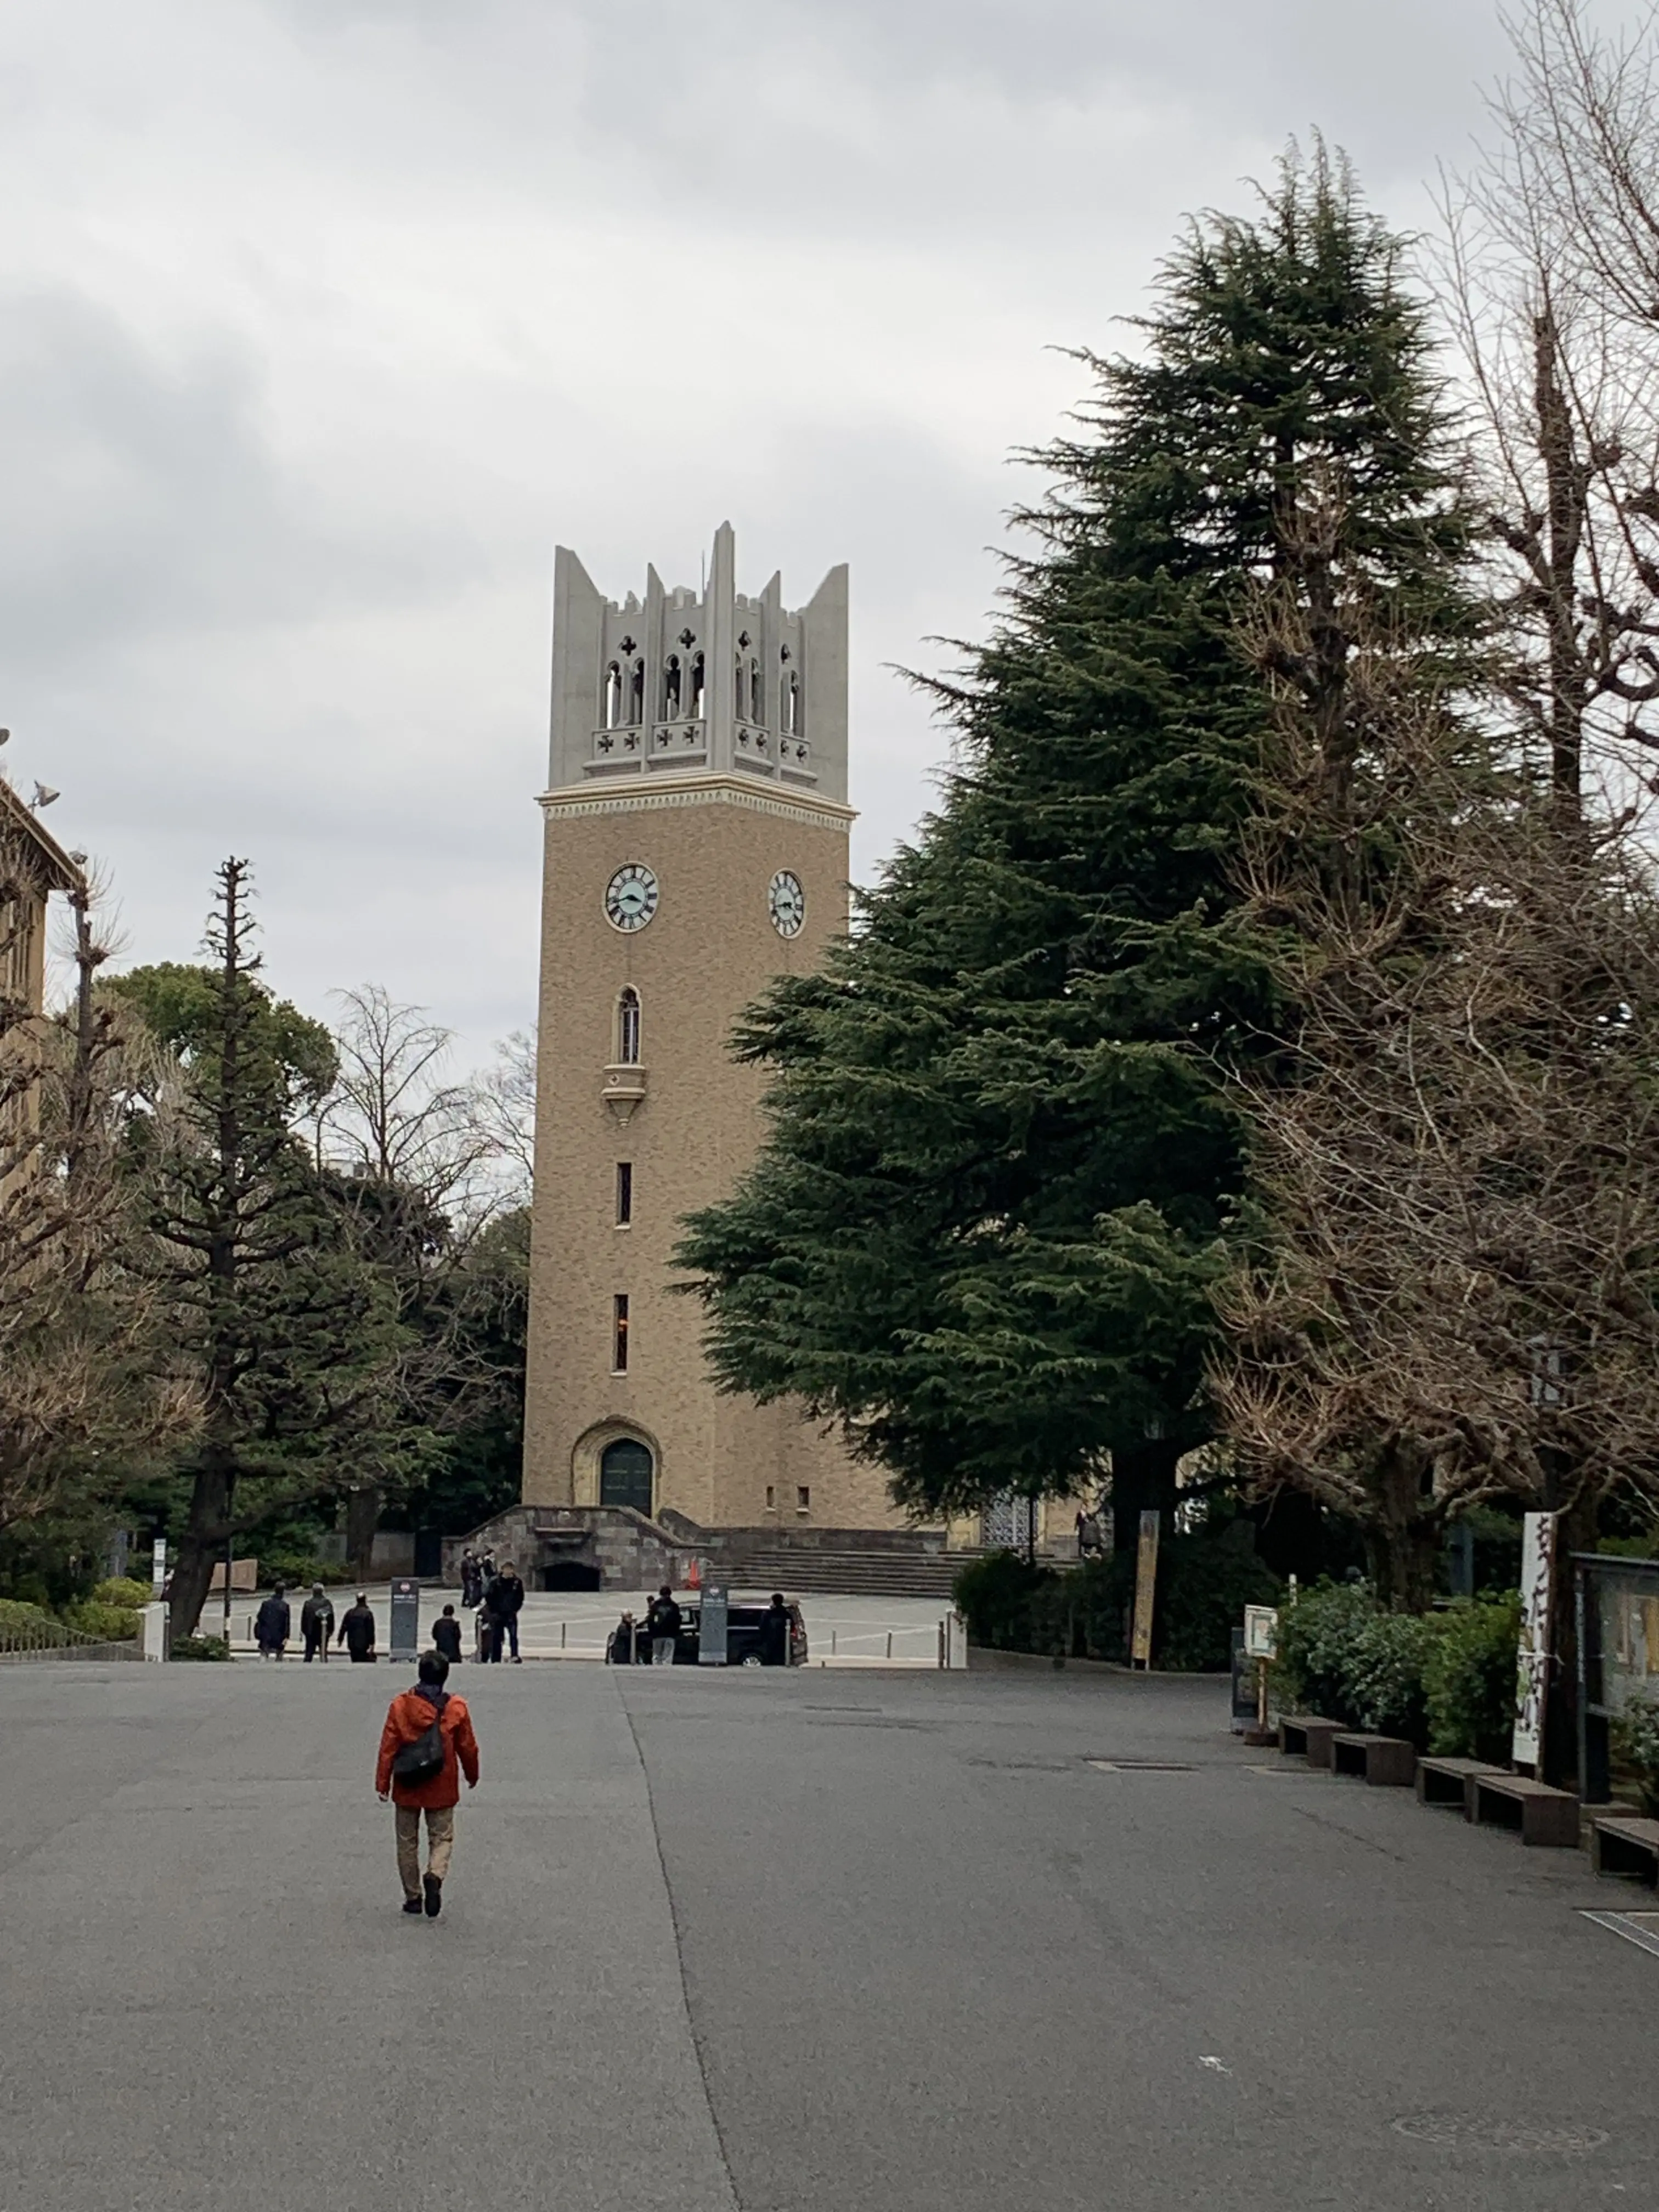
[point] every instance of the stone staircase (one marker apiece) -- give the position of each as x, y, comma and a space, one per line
842, 1563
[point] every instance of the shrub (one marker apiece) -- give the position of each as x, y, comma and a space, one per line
1385, 1685
122, 1589
996, 1594
297, 1570
209, 1648
22, 1623
1635, 1736
1317, 1637
110, 1623
1471, 1680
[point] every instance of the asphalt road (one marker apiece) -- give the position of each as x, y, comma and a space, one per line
768, 1942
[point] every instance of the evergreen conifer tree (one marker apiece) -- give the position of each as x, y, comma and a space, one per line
1002, 1161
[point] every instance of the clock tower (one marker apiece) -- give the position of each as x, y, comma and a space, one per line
695, 848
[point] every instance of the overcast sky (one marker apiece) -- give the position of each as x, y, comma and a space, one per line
323, 321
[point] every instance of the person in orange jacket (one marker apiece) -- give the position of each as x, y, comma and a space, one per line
410, 1718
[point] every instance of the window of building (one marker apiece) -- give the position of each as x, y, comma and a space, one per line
624, 1193
791, 704
756, 693
696, 686
671, 687
771, 1496
627, 1028
803, 1498
636, 693
613, 695
742, 679
619, 1333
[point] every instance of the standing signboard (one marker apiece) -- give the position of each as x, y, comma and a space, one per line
158, 1566
1140, 1641
1533, 1659
712, 1628
405, 1617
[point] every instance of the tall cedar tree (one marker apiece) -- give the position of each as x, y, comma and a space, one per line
293, 1336
1001, 1163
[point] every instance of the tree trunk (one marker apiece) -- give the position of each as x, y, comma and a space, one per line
363, 1519
1143, 1478
1402, 1562
199, 1549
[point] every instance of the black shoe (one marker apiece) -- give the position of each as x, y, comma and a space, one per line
411, 1904
435, 1895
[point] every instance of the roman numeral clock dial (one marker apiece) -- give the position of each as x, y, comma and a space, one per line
630, 897
787, 902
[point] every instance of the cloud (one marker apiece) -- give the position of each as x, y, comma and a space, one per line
322, 320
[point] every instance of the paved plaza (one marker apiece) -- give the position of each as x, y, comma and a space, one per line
782, 1943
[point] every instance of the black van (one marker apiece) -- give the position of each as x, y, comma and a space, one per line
742, 1634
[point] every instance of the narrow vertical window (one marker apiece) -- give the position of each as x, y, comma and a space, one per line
612, 696
742, 695
792, 705
696, 686
671, 687
624, 1193
756, 693
619, 1333
636, 693
628, 1028
803, 1494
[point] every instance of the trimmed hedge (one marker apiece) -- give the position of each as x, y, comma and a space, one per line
1446, 1680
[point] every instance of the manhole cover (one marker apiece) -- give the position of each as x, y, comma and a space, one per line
1464, 2131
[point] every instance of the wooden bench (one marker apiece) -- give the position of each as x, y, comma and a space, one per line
1541, 1814
1306, 1735
1446, 1781
1388, 1761
1621, 1844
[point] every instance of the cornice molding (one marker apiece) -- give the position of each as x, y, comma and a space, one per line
700, 791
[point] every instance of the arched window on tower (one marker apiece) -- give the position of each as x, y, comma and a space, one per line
756, 693
740, 692
636, 693
627, 1028
791, 703
696, 686
613, 696
671, 687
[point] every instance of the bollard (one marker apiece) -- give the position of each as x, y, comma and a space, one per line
561, 1629
890, 1643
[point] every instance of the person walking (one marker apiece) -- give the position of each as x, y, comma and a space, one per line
317, 1624
272, 1624
471, 1587
503, 1601
664, 1620
447, 1636
774, 1633
357, 1630
426, 1747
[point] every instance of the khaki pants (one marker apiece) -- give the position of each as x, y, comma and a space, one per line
440, 1840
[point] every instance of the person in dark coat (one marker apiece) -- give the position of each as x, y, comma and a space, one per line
447, 1636
471, 1580
503, 1602
316, 1624
626, 1643
357, 1630
272, 1624
664, 1622
774, 1633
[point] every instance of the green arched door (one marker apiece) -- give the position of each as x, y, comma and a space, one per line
625, 1474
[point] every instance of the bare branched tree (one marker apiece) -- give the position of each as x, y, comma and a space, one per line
1552, 284
1450, 1295
85, 1382
504, 1113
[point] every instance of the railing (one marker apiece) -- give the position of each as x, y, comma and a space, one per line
53, 1639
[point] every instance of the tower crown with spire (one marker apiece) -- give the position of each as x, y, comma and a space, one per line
703, 683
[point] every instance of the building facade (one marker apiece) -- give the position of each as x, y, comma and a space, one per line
695, 847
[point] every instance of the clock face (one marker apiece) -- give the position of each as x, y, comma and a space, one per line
787, 902
630, 897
